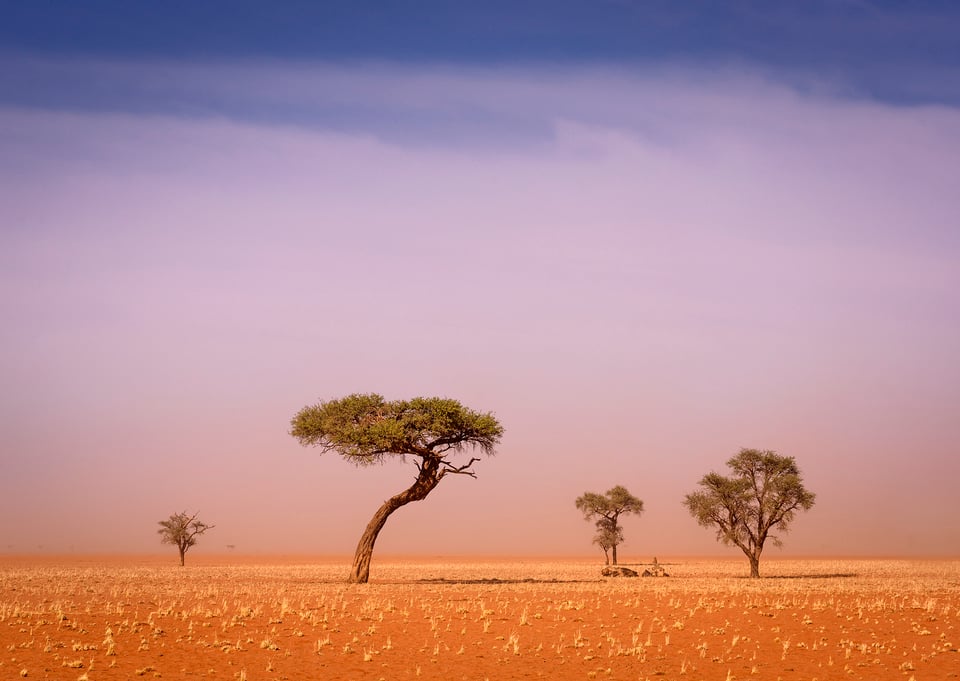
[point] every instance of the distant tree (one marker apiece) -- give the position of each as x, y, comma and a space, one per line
607, 537
609, 507
366, 429
763, 493
182, 531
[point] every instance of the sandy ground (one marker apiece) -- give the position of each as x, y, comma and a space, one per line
103, 618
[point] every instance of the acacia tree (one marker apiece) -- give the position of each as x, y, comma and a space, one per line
367, 429
763, 493
182, 531
607, 537
608, 508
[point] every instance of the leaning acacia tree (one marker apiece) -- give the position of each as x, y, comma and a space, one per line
607, 509
366, 429
763, 493
182, 531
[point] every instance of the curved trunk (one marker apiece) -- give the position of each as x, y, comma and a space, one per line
427, 479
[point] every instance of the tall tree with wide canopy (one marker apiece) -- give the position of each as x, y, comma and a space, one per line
366, 429
763, 493
608, 508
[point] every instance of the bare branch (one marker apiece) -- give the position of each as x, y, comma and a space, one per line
459, 470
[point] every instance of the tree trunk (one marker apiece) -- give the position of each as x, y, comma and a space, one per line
427, 479
614, 550
182, 552
606, 556
754, 564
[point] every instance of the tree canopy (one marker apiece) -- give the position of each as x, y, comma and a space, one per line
366, 429
762, 494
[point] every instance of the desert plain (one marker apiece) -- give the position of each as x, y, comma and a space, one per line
103, 618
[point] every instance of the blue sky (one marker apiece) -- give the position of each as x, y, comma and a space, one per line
174, 59
902, 52
832, 33
644, 234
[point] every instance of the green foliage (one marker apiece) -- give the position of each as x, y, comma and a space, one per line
364, 428
611, 505
763, 493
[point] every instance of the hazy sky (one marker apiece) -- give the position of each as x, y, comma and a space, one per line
643, 236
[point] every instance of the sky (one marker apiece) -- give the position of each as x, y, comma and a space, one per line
645, 235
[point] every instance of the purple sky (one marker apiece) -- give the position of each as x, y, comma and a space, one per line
640, 271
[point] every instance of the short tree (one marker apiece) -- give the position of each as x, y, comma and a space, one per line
366, 429
609, 507
763, 494
182, 531
607, 537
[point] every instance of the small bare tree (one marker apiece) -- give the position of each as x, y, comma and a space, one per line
182, 531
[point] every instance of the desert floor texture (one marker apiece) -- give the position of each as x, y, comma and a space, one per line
233, 618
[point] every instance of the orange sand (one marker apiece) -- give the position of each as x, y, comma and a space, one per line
234, 618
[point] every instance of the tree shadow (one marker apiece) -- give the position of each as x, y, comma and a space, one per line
829, 575
497, 580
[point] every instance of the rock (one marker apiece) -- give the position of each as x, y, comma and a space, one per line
618, 571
